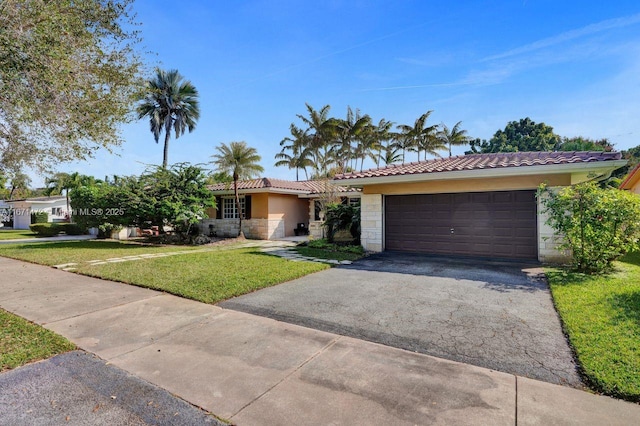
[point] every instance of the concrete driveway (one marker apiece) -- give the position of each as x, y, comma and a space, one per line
497, 315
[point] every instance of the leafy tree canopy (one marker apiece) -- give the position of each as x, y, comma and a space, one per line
518, 136
598, 224
69, 73
176, 196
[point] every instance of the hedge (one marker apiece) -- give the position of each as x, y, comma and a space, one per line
53, 229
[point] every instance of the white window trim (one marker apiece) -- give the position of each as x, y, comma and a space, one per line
229, 207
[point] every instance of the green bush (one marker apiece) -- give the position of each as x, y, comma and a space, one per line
39, 217
343, 217
71, 228
46, 229
324, 244
598, 225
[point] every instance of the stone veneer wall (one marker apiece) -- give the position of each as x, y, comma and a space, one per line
315, 226
371, 222
548, 241
256, 229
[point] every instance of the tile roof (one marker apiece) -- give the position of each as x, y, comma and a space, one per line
484, 161
304, 187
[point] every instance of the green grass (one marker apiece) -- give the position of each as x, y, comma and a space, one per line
56, 253
16, 234
327, 254
208, 277
22, 341
601, 315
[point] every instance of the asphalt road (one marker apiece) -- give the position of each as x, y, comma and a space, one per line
78, 388
497, 315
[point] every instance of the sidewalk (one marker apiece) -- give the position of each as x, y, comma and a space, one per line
49, 239
254, 370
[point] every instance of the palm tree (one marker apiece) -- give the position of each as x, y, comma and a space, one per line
379, 134
391, 154
455, 136
241, 162
322, 130
298, 144
418, 137
350, 130
169, 102
65, 182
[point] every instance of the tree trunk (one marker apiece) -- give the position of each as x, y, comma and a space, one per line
165, 156
66, 193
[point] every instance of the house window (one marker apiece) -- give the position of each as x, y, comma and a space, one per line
56, 211
354, 202
229, 207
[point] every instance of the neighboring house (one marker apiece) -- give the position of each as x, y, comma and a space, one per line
55, 207
632, 181
474, 205
272, 208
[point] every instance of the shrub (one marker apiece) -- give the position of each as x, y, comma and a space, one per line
597, 225
343, 217
324, 244
46, 229
39, 217
71, 228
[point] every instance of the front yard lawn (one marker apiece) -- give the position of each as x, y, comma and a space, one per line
22, 341
57, 253
208, 276
601, 315
327, 254
15, 234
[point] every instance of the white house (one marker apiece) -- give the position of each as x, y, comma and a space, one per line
55, 207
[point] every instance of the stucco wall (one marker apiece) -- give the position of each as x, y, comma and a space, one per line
466, 185
21, 215
289, 209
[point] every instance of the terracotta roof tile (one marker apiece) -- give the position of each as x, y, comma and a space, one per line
484, 161
304, 187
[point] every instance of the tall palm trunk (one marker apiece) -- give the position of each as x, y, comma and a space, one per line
66, 193
165, 156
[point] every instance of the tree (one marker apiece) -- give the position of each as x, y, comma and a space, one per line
20, 183
453, 137
241, 162
419, 137
597, 224
518, 136
298, 145
69, 73
177, 196
65, 182
169, 102
579, 143
351, 129
322, 134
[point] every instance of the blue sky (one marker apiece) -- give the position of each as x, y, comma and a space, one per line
574, 65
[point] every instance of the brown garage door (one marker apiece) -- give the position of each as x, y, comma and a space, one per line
492, 224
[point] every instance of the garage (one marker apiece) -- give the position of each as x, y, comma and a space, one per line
499, 224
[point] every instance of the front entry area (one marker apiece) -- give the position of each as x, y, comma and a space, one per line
499, 224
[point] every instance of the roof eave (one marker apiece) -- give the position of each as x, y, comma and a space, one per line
598, 167
261, 191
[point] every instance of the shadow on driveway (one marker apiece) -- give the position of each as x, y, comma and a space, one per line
497, 315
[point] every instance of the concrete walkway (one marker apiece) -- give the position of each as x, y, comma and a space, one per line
253, 370
49, 239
